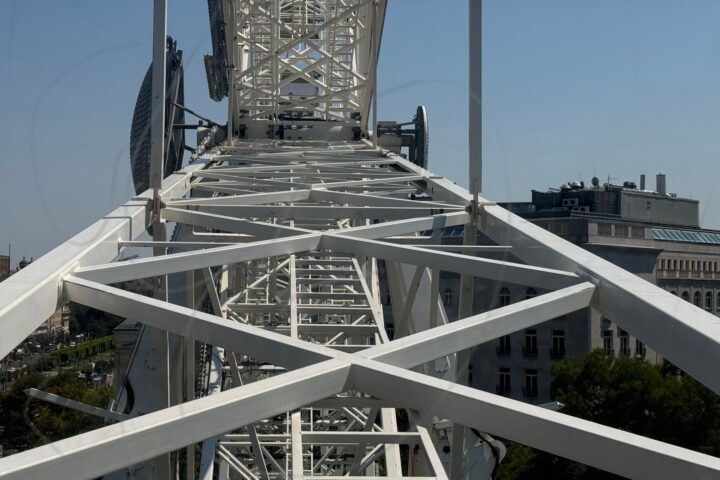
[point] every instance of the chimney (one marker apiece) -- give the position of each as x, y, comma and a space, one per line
642, 181
660, 187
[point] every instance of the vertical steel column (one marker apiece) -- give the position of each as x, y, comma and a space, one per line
157, 167
475, 120
465, 309
189, 352
157, 125
375, 50
475, 186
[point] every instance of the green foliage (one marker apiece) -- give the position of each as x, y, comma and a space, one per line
30, 423
82, 350
94, 323
659, 402
104, 366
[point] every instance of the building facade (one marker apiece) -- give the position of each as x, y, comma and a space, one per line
653, 234
4, 267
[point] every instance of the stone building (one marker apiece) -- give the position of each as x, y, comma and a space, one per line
4, 267
653, 234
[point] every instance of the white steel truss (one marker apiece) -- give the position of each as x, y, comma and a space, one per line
267, 339
310, 374
298, 60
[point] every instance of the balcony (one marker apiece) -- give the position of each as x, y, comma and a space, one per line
529, 352
557, 353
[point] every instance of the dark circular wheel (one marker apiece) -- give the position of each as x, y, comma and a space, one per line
422, 137
140, 130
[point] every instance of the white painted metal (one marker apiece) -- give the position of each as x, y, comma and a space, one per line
93, 454
293, 230
302, 60
475, 100
75, 405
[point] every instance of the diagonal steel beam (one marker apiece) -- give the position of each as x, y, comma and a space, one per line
230, 224
480, 267
204, 327
76, 405
428, 345
249, 199
181, 262
108, 449
683, 333
609, 449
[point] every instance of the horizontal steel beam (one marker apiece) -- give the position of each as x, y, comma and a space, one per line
319, 211
353, 437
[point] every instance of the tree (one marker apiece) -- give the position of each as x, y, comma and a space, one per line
94, 323
659, 402
104, 366
30, 423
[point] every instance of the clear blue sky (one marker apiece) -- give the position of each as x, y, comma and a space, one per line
572, 87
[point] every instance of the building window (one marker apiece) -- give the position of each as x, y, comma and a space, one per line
604, 229
530, 348
390, 329
558, 344
624, 343
607, 337
503, 347
531, 384
640, 349
708, 301
388, 300
448, 298
503, 386
685, 296
470, 374
621, 230
696, 299
673, 292
504, 297
530, 293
